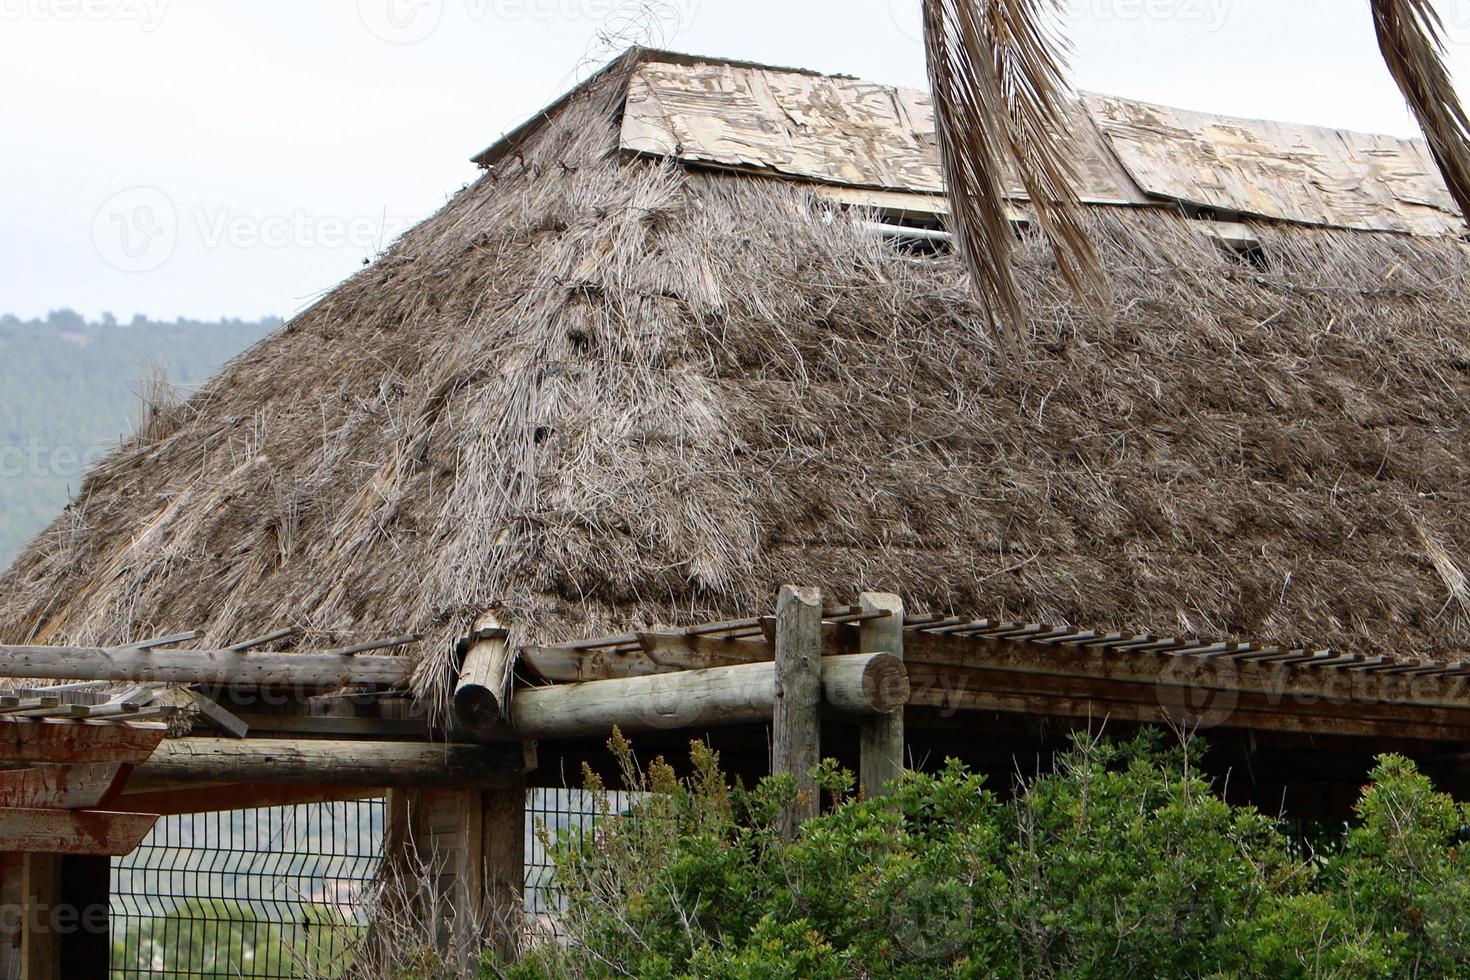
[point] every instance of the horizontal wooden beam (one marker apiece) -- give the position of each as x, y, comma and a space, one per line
82, 787
64, 742
95, 832
302, 670
863, 683
176, 798
659, 653
323, 762
1242, 717
1284, 681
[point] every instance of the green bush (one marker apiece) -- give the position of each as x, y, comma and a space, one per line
1122, 862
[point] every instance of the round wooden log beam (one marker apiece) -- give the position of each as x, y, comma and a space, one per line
869, 683
322, 762
214, 667
484, 675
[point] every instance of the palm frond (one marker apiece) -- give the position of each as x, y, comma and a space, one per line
1411, 36
998, 72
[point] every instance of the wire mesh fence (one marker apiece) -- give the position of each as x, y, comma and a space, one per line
282, 892
288, 892
551, 814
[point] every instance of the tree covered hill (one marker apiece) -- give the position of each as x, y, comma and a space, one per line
69, 389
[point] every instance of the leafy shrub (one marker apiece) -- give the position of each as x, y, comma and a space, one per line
1122, 862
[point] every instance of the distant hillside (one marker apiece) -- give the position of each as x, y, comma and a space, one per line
69, 389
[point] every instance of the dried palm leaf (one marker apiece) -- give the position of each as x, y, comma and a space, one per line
1411, 36
1001, 98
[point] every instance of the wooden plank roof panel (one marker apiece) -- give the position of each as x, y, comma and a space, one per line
1306, 174
845, 132
831, 130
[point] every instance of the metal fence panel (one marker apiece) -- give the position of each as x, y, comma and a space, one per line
286, 892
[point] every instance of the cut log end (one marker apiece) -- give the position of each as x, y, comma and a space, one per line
476, 707
872, 683
483, 676
885, 684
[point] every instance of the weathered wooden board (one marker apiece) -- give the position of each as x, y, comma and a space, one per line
956, 689
1285, 683
59, 742
1278, 170
821, 128
1098, 710
83, 787
73, 831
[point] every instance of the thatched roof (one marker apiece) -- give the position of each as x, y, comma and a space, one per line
608, 388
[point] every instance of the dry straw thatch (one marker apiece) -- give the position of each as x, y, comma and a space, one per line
609, 391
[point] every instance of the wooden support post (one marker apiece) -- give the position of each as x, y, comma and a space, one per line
882, 735
457, 860
505, 867
796, 728
40, 952
496, 834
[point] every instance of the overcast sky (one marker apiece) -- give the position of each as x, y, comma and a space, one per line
262, 148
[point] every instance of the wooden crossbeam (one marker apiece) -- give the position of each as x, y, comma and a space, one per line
167, 799
59, 742
859, 684
315, 670
325, 762
95, 832
79, 787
